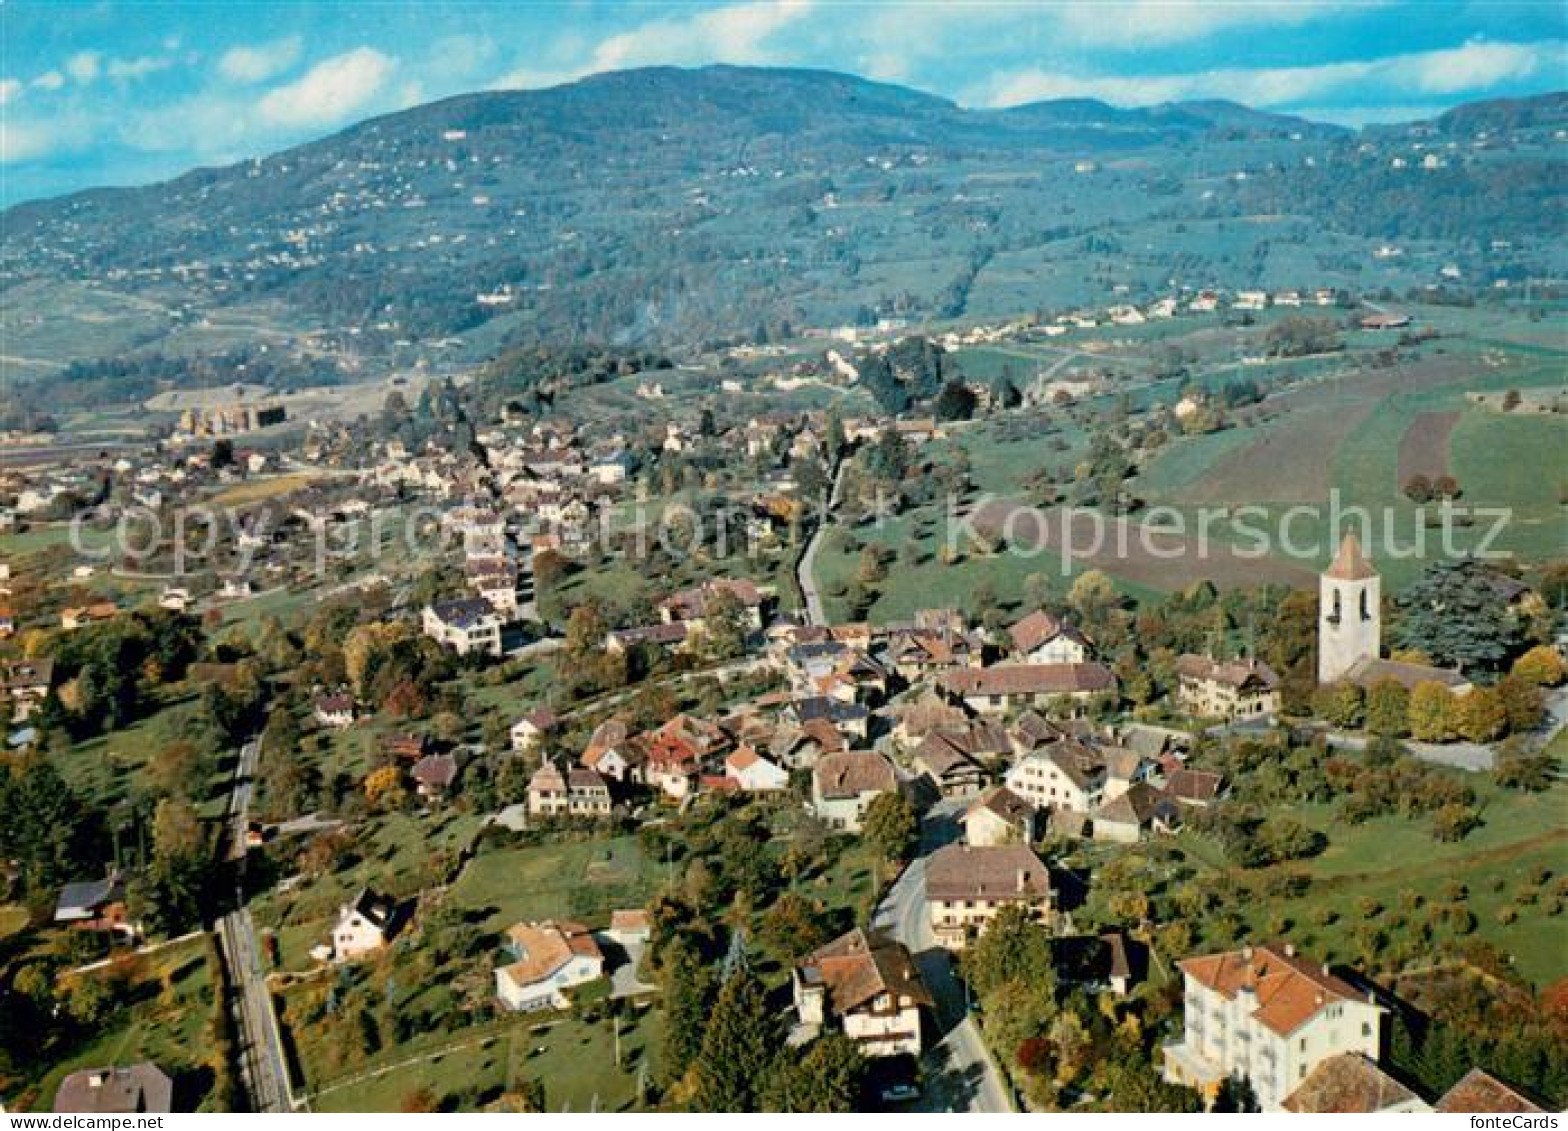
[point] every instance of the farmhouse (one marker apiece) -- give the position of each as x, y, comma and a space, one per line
1040, 638
993, 690
966, 886
1235, 689
999, 816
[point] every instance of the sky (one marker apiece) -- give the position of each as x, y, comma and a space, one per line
96, 92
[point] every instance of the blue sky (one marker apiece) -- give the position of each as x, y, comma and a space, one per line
126, 93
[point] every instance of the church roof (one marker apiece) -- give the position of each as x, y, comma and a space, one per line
1350, 564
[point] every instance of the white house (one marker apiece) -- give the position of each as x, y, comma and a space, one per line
1267, 1015
754, 773
363, 926
1063, 775
551, 958
466, 625
845, 783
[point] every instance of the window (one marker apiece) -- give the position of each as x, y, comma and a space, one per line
1303, 1044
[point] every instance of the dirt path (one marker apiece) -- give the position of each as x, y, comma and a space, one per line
1423, 450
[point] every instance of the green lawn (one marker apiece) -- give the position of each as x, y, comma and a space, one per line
583, 880
572, 1058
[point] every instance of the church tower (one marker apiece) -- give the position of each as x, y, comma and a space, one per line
1349, 620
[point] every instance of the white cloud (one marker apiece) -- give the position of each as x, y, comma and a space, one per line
1475, 68
9, 89
49, 80
130, 70
737, 34
329, 92
1478, 65
261, 61
83, 66
1129, 22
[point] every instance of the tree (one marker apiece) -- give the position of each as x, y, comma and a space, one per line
1522, 703
827, 1077
688, 995
1418, 489
956, 401
1454, 822
1481, 716
1092, 593
1388, 709
725, 626
737, 1048
1339, 703
890, 826
1458, 616
1014, 948
1431, 712
1541, 665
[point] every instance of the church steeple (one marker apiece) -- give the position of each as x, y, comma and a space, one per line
1349, 617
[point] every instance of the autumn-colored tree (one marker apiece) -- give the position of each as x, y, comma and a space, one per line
1541, 665
1431, 712
1481, 716
1522, 701
384, 787
1388, 709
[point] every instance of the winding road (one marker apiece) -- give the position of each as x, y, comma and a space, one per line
805, 572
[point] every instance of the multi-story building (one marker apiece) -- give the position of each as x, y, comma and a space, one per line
967, 886
1269, 1016
467, 625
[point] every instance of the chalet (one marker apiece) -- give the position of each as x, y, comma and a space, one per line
434, 775
949, 768
549, 959
869, 987
1111, 961
1000, 816
96, 905
403, 746
574, 792
917, 653
966, 886
129, 1091
1234, 689
1040, 638
678, 752
364, 926
529, 732
844, 784
465, 625
994, 690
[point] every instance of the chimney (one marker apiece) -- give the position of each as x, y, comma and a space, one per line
1246, 953
1023, 880
1327, 973
1290, 950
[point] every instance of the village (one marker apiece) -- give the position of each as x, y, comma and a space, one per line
492, 717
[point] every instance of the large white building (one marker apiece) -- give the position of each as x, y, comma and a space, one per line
1269, 1016
551, 958
467, 625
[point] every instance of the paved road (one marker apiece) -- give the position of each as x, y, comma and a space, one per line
960, 1074
805, 572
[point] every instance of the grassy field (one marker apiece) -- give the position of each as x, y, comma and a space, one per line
574, 1059
260, 490
583, 880
1386, 859
162, 1015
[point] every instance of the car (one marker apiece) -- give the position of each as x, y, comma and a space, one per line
900, 1093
